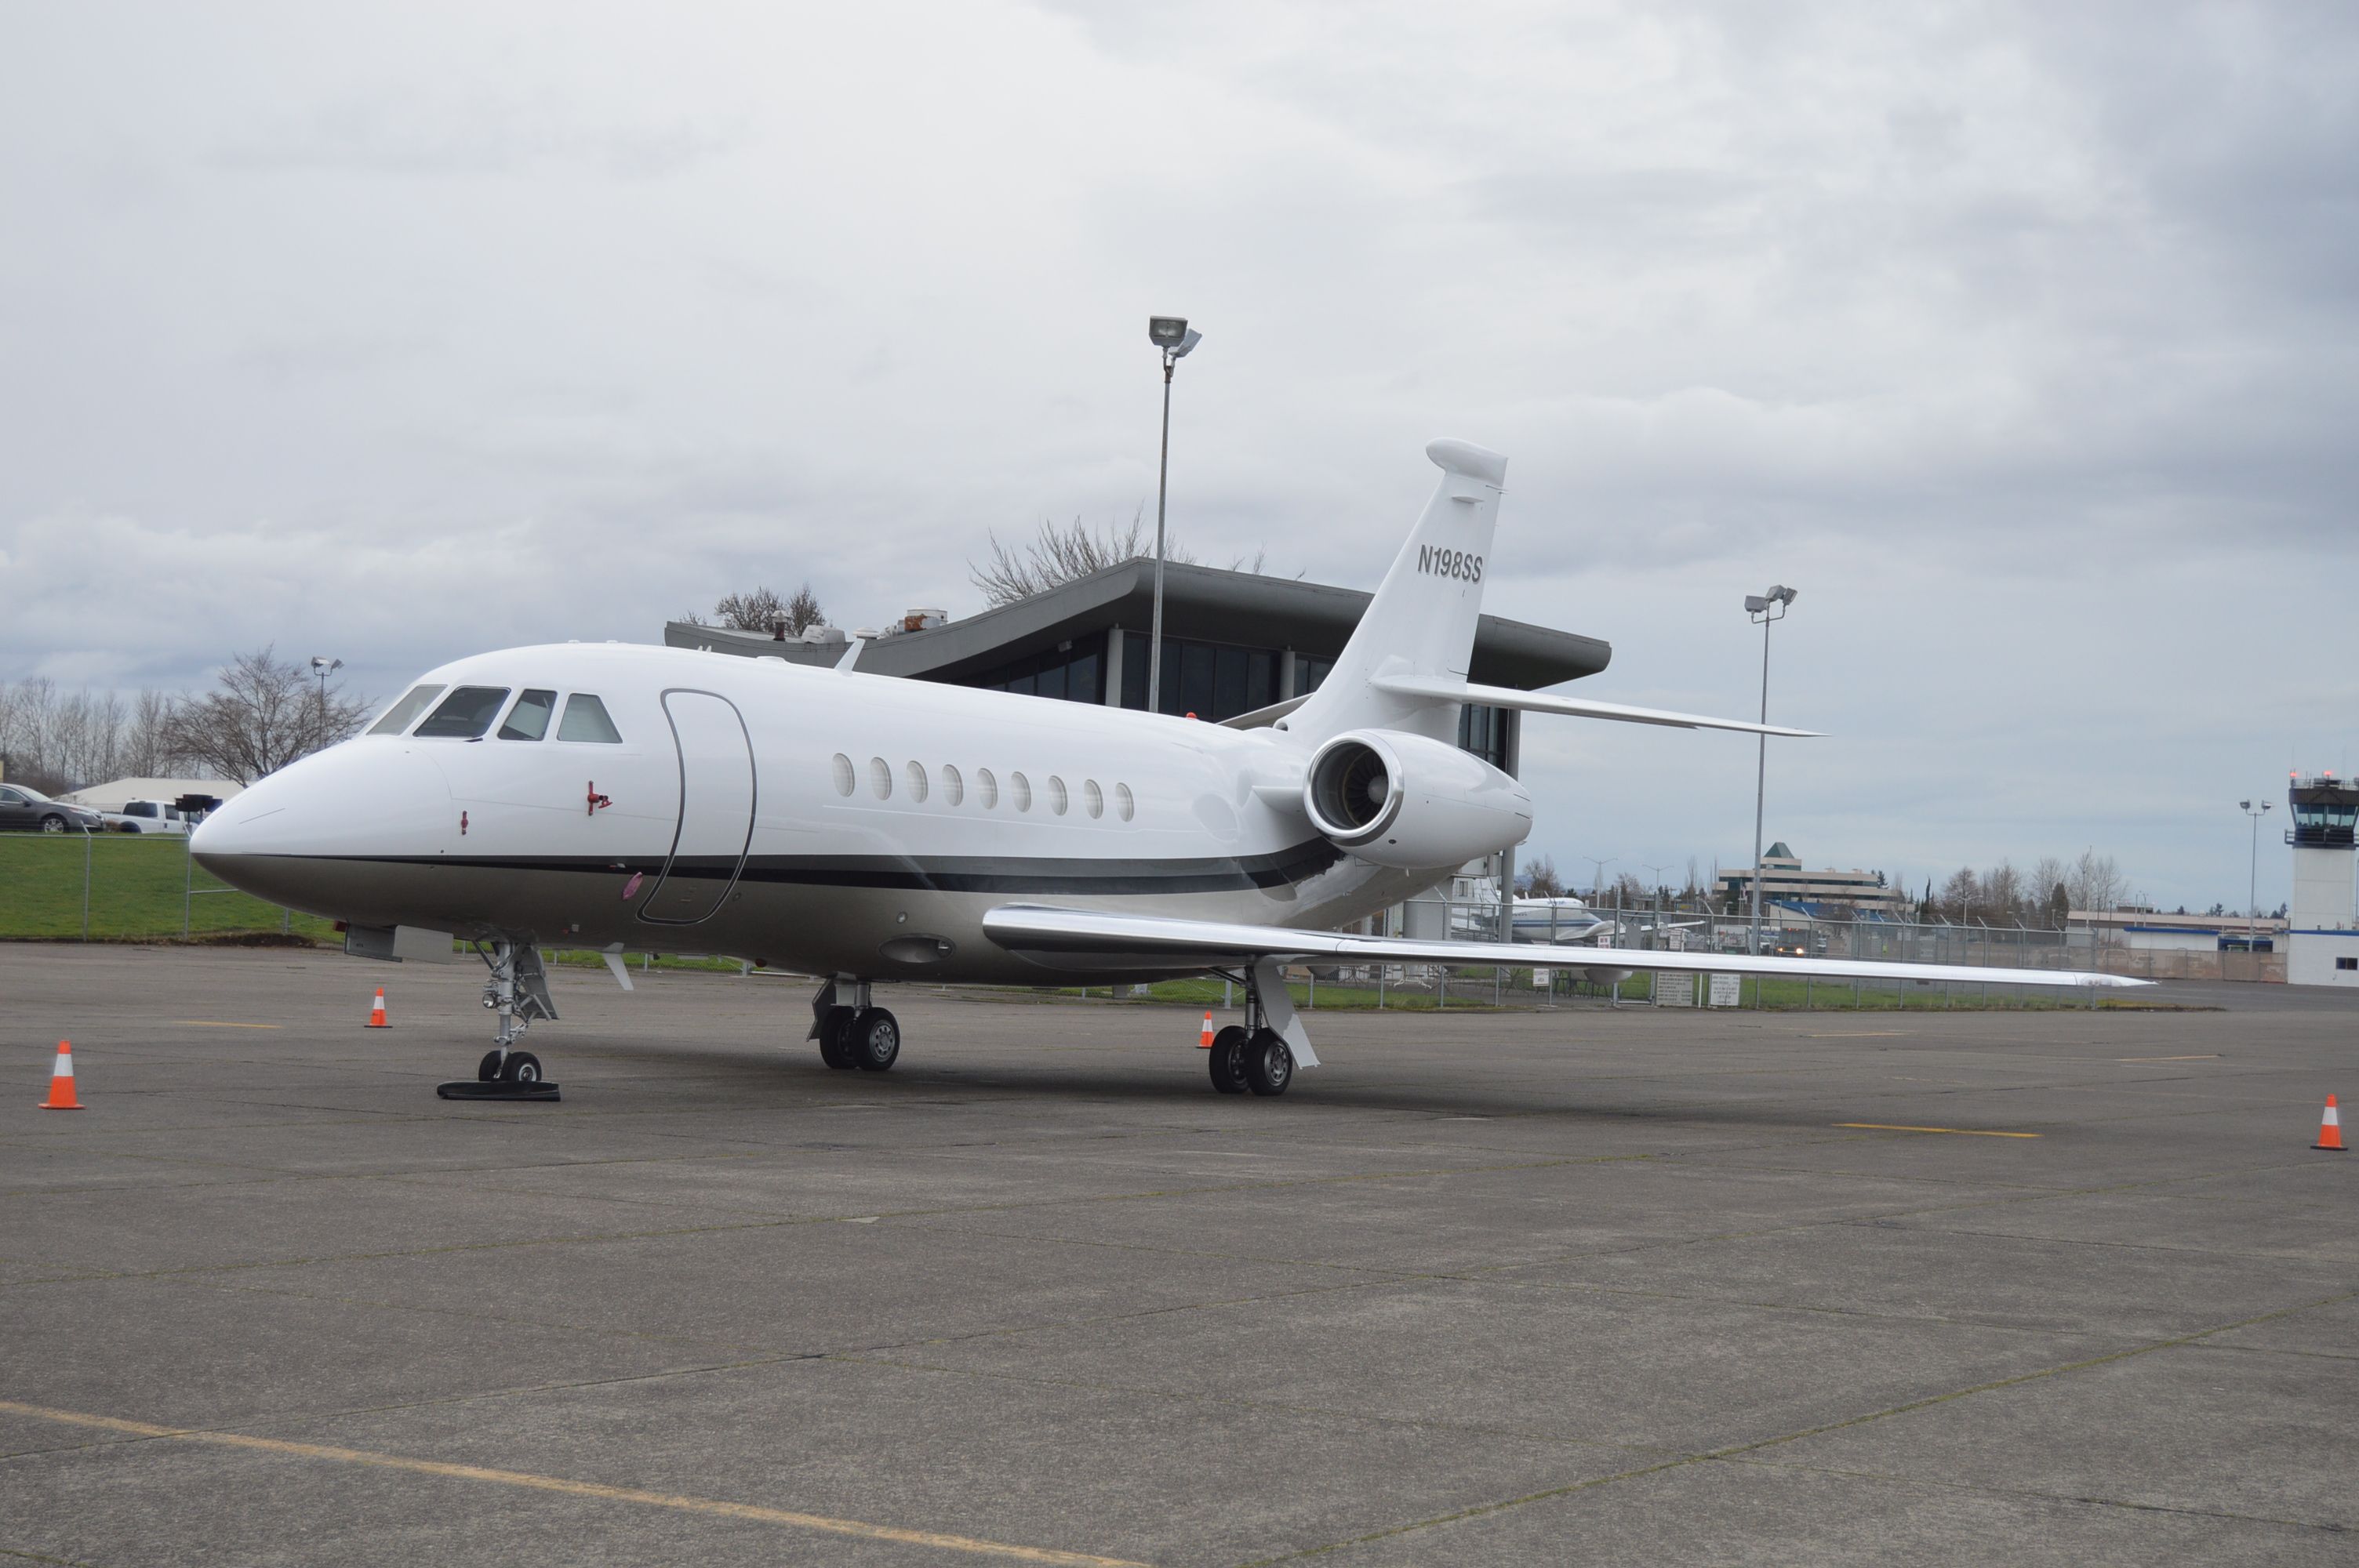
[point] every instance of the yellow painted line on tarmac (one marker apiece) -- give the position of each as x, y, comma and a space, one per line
2212, 1058
217, 1024
1961, 1131
708, 1506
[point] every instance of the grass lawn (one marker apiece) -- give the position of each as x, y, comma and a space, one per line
140, 886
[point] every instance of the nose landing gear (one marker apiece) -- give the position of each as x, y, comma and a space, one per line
518, 991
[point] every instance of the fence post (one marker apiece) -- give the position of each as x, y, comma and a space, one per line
1442, 984
187, 884
86, 884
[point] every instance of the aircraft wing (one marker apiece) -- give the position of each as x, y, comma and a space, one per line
1071, 939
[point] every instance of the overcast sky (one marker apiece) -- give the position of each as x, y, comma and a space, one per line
2019, 338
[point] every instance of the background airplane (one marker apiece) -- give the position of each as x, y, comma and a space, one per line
870, 829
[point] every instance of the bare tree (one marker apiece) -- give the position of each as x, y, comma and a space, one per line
2002, 891
261, 715
1074, 551
1962, 895
803, 612
2095, 883
1545, 882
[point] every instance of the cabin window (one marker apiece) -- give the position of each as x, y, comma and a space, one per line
917, 772
528, 719
1124, 807
953, 787
585, 720
880, 778
986, 788
1092, 798
397, 718
1019, 790
1058, 798
466, 714
844, 781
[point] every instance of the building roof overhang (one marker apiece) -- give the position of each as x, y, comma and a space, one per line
1200, 603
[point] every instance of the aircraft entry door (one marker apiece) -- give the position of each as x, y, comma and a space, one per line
716, 809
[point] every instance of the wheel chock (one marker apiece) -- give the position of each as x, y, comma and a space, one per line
475, 1088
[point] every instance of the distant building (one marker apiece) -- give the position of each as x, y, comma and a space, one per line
2143, 929
110, 796
2322, 941
1816, 894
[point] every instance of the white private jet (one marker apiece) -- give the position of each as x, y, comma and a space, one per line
871, 828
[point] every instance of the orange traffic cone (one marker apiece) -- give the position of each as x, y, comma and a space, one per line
61, 1087
376, 1013
1205, 1044
2330, 1131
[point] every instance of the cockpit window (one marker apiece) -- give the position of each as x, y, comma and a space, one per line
397, 718
585, 720
528, 719
466, 714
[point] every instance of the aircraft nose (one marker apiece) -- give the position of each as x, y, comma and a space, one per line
292, 837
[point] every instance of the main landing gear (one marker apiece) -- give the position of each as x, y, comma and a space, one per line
1258, 1054
851, 1031
518, 991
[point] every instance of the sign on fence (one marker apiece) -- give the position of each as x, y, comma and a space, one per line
1727, 991
1674, 991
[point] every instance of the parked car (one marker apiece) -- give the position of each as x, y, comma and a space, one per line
26, 809
146, 817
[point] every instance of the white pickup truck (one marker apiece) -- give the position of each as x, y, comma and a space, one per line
146, 817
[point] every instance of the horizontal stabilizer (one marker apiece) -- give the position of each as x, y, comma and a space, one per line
1442, 688
1085, 938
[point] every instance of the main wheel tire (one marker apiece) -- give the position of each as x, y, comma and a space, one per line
521, 1067
835, 1037
1269, 1063
876, 1039
1228, 1054
488, 1068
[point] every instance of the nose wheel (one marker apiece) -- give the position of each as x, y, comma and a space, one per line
518, 991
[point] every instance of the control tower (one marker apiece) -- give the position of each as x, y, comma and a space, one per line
2323, 936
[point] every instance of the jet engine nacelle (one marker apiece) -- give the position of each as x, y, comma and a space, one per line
1414, 804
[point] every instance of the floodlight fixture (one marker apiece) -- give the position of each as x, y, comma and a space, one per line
1754, 604
1170, 334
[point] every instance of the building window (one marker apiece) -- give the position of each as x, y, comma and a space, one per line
1483, 732
2346, 963
844, 780
1071, 673
1210, 680
953, 786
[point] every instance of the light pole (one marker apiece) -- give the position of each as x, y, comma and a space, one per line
2252, 870
324, 667
1764, 609
1170, 334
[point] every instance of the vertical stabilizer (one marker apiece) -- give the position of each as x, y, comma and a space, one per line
1421, 621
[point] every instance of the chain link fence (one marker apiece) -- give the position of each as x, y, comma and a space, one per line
124, 887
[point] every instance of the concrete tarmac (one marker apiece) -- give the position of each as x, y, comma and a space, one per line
1581, 1286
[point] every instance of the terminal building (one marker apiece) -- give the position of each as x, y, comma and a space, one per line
2322, 918
1819, 894
1232, 642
